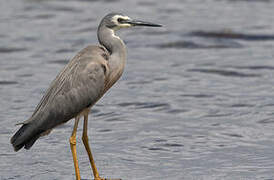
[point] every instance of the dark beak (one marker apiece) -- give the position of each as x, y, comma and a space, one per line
141, 23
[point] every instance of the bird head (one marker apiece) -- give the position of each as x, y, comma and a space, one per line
117, 21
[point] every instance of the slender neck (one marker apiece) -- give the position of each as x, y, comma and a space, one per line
117, 50
111, 42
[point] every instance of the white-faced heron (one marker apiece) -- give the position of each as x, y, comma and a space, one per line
81, 83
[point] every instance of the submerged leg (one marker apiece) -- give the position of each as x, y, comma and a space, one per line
72, 141
85, 141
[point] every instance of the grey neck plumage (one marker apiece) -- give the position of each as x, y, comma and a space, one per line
117, 51
110, 41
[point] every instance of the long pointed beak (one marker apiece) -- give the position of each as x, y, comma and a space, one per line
142, 23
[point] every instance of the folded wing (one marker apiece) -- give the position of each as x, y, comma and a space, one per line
79, 85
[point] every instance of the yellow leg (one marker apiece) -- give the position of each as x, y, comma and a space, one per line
85, 141
72, 141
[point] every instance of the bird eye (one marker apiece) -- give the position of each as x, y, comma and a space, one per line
120, 20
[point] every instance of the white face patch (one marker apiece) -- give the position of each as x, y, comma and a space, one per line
115, 20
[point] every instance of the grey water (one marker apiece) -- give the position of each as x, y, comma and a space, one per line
196, 100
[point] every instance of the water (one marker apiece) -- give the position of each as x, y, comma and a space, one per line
195, 102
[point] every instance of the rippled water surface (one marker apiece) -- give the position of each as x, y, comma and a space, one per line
196, 100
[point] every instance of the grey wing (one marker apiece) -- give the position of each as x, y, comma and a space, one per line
77, 87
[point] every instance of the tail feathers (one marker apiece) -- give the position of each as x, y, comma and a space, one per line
31, 142
24, 137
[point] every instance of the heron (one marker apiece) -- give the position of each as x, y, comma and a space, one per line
81, 83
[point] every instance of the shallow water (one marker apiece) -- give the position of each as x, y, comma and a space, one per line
195, 102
